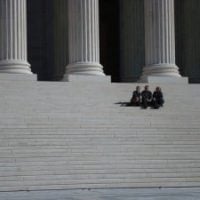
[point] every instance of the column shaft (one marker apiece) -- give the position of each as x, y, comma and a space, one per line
84, 38
160, 39
13, 37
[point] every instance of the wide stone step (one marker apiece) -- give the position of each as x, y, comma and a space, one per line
101, 132
44, 168
93, 143
106, 154
97, 176
121, 185
96, 162
14, 175
107, 125
113, 140
99, 183
4, 162
100, 149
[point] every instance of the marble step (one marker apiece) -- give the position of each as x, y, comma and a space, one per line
143, 164
101, 136
56, 169
90, 177
61, 142
106, 183
84, 157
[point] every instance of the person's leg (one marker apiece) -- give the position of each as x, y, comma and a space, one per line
157, 105
138, 103
135, 102
160, 102
144, 103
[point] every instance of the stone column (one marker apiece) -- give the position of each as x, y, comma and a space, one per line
84, 38
159, 39
13, 37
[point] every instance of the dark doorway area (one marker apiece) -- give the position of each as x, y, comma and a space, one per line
187, 38
40, 38
109, 38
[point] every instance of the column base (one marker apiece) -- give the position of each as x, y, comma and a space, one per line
164, 80
94, 69
87, 78
161, 70
162, 73
15, 67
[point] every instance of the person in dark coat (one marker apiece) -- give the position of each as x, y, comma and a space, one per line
146, 97
136, 97
158, 99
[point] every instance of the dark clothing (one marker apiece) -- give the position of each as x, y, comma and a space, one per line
157, 99
146, 94
146, 98
135, 100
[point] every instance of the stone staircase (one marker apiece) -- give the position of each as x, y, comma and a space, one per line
76, 136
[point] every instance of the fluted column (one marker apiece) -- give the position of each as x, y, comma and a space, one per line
13, 37
160, 39
84, 38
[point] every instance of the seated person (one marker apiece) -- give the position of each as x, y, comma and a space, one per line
146, 97
158, 100
135, 100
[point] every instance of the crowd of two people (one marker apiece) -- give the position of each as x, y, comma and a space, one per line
146, 98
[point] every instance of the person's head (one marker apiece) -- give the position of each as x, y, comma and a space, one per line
138, 88
158, 89
146, 87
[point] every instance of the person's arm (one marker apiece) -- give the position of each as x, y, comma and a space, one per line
142, 94
161, 94
150, 96
154, 96
133, 96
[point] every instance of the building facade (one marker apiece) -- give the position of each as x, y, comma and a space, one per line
126, 39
